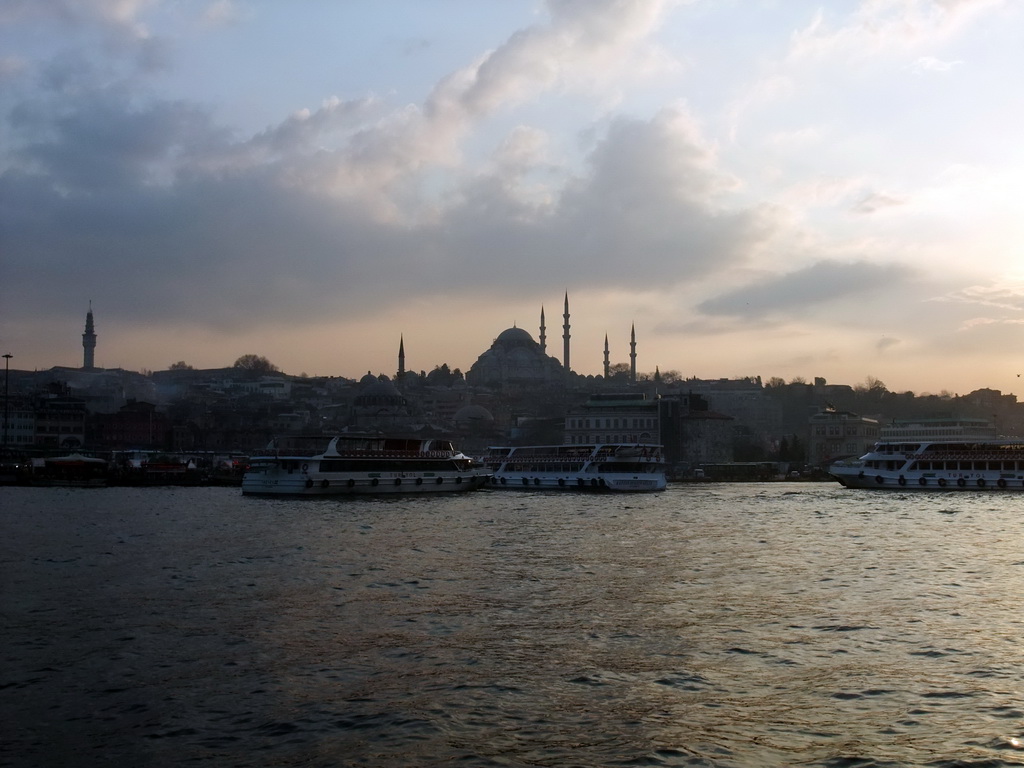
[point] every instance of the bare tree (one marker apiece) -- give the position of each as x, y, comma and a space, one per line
255, 364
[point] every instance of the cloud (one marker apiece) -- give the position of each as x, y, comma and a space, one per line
163, 215
156, 209
795, 293
873, 202
1008, 296
888, 25
931, 64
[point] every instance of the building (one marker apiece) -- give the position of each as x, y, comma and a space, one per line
137, 425
614, 418
60, 422
839, 434
692, 434
20, 425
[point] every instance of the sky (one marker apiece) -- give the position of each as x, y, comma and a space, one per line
772, 188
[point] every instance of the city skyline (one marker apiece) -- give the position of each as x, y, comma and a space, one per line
759, 189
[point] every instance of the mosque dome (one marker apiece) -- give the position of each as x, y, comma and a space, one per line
473, 414
378, 393
514, 337
514, 359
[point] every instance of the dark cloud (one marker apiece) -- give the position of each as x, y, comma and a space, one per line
151, 207
795, 293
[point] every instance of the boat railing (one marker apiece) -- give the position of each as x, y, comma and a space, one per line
357, 454
561, 459
969, 456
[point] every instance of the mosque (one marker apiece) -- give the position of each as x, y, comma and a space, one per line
515, 360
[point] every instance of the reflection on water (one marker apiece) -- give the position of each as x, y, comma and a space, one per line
722, 625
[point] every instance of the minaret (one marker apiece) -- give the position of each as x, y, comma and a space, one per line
89, 341
401, 356
632, 354
565, 335
607, 363
543, 336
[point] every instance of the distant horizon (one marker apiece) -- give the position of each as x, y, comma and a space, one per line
945, 392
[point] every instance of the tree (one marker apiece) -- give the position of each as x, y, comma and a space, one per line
255, 364
181, 365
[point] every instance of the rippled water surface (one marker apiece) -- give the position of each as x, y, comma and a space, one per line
712, 625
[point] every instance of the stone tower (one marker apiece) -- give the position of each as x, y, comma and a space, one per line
89, 342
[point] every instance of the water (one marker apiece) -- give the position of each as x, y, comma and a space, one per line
712, 625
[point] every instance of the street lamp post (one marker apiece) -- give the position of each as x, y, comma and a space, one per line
7, 393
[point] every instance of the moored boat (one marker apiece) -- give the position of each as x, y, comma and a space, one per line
72, 471
594, 467
352, 465
936, 465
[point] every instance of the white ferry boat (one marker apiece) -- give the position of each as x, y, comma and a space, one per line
936, 465
594, 467
365, 465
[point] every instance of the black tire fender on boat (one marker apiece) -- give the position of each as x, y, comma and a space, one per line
305, 467
1001, 482
458, 480
375, 482
398, 481
981, 482
419, 481
325, 483
961, 482
902, 480
309, 482
878, 479
561, 482
942, 482
351, 483
922, 481
441, 480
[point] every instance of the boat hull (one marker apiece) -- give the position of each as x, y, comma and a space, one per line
929, 481
593, 467
359, 484
622, 483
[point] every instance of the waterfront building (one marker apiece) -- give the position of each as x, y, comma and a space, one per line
836, 434
693, 435
614, 418
60, 422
